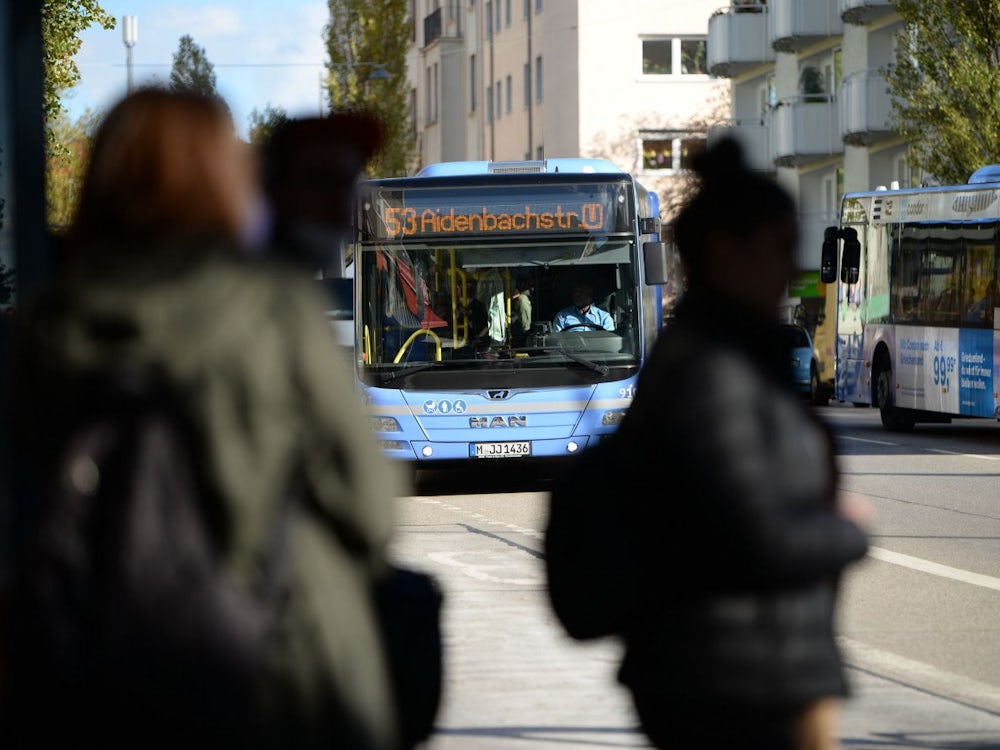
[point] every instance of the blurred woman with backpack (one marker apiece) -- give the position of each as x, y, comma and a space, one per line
739, 532
156, 278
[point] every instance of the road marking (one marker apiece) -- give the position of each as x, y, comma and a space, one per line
488, 568
865, 440
937, 569
965, 455
920, 675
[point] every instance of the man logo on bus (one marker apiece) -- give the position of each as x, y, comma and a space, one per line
475, 422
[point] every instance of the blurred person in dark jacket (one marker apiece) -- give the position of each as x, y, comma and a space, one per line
739, 529
155, 276
311, 167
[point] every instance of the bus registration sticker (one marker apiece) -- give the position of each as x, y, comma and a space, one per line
500, 450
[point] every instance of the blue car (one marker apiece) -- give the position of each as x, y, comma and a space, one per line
805, 366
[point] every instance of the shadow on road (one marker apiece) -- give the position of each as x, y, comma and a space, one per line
487, 477
915, 740
571, 736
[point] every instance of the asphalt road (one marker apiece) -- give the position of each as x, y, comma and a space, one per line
920, 620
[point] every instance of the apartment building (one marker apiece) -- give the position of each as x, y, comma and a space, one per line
529, 79
809, 98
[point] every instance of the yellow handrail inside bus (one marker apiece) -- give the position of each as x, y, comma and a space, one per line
420, 332
367, 355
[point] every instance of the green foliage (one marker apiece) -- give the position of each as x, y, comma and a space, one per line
62, 23
362, 32
8, 283
191, 70
945, 85
66, 166
263, 124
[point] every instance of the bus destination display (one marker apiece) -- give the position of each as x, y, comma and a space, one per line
417, 214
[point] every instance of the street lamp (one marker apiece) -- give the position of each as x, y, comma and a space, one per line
130, 35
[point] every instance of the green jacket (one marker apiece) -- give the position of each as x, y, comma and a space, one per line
251, 354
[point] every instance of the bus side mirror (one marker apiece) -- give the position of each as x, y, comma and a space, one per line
850, 266
654, 255
828, 258
649, 225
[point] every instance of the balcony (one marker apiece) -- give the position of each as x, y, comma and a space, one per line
443, 23
863, 12
865, 108
738, 39
804, 131
752, 134
796, 24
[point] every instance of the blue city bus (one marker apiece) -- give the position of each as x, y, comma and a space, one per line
916, 318
449, 367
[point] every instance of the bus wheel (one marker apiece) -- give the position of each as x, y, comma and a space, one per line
818, 394
894, 418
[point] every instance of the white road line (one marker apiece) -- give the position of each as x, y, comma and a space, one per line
965, 455
937, 569
865, 440
921, 675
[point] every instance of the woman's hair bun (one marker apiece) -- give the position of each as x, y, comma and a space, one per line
722, 163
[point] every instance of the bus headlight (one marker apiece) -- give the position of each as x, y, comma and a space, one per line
391, 445
385, 424
613, 418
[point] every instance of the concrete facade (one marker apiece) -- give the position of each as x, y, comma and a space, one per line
809, 100
527, 79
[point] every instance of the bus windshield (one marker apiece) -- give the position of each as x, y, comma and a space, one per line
473, 306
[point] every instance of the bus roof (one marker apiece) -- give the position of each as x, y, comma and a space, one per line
545, 166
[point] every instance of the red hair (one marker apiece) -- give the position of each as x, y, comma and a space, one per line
164, 164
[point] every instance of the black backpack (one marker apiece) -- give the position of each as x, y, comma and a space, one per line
591, 567
120, 615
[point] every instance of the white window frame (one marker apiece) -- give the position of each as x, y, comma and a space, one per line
674, 135
675, 57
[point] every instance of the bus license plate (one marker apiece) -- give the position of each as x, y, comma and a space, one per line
500, 450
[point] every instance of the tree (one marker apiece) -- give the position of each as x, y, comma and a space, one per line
365, 39
945, 86
263, 124
66, 165
62, 22
191, 70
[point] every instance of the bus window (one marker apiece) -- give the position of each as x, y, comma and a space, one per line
980, 276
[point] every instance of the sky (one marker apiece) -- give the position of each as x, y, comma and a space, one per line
264, 52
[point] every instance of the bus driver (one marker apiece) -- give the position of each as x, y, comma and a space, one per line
583, 312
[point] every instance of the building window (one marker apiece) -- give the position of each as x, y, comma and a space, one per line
657, 56
489, 104
488, 17
527, 8
670, 151
498, 17
540, 153
435, 98
538, 6
428, 94
510, 94
413, 113
538, 78
507, 12
527, 85
499, 99
677, 56
473, 85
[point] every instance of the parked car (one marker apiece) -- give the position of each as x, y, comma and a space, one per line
805, 364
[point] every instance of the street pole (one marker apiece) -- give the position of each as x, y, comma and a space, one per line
130, 35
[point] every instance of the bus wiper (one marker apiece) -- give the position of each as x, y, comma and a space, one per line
595, 366
388, 377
